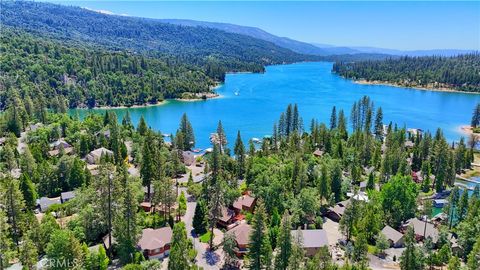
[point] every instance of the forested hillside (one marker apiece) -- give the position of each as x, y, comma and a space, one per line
214, 50
52, 73
458, 73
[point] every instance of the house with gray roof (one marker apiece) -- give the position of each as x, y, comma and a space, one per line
95, 156
66, 196
44, 203
395, 237
313, 240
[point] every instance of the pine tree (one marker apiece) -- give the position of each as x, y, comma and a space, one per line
379, 124
6, 252
333, 118
222, 138
14, 204
230, 257
412, 257
297, 254
336, 177
342, 125
259, 243
178, 258
28, 254
187, 131
324, 183
476, 116
284, 243
239, 151
28, 191
142, 126
125, 229
200, 221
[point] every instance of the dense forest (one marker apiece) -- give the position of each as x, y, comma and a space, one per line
214, 50
458, 73
52, 73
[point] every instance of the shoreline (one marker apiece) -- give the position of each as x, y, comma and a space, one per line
160, 103
441, 89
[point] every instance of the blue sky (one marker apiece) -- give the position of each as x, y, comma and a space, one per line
394, 25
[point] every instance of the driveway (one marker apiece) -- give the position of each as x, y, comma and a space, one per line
205, 259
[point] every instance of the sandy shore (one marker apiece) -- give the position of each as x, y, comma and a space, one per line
160, 103
437, 89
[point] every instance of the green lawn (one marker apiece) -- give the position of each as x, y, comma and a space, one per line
204, 238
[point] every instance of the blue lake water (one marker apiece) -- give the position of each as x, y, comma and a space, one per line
262, 97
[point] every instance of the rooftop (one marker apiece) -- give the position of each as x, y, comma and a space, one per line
155, 238
312, 238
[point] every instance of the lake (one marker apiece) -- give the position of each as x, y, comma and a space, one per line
262, 97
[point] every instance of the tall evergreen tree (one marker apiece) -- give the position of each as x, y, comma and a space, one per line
259, 243
239, 151
284, 243
412, 258
333, 118
178, 258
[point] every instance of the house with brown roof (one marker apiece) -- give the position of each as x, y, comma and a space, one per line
395, 237
313, 240
244, 203
422, 229
95, 156
242, 238
188, 158
227, 217
155, 243
335, 213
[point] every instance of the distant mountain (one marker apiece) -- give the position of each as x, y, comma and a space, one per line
215, 50
439, 52
312, 48
294, 45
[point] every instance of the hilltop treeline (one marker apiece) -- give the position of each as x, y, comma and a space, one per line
50, 72
215, 51
458, 73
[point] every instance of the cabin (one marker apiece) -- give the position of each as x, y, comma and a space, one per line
313, 240
396, 238
422, 229
34, 126
67, 196
44, 203
335, 213
244, 203
95, 156
155, 243
188, 158
146, 206
227, 217
242, 238
59, 144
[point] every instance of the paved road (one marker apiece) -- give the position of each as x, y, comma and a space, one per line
200, 247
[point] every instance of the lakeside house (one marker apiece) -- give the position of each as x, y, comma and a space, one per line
395, 237
155, 243
440, 203
95, 156
422, 229
44, 203
242, 238
104, 133
313, 240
